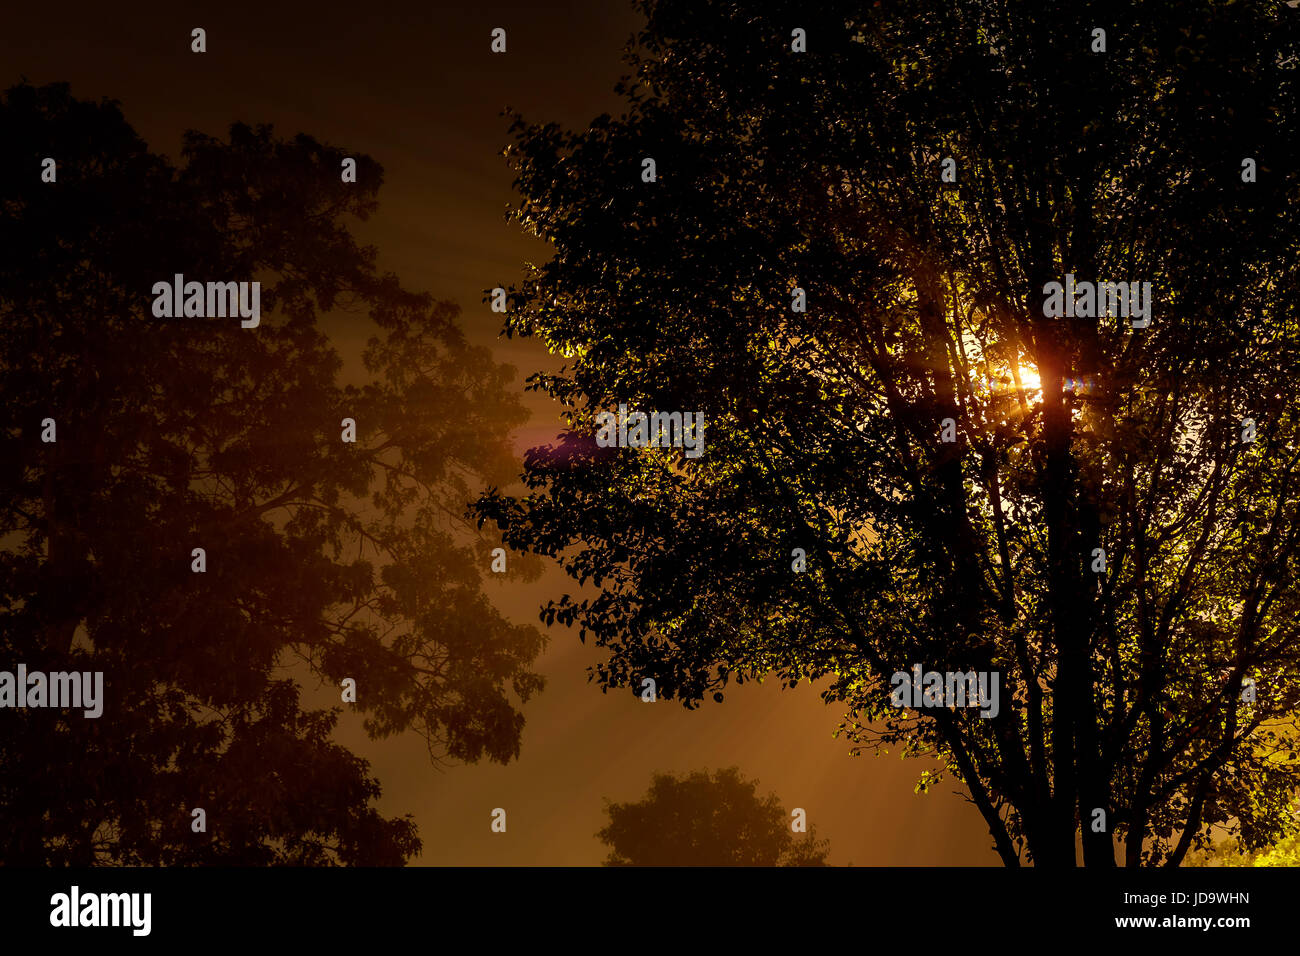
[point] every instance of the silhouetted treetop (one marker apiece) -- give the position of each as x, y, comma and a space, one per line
342, 559
703, 819
934, 436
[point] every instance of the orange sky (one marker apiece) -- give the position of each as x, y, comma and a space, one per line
416, 87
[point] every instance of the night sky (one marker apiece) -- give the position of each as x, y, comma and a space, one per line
415, 86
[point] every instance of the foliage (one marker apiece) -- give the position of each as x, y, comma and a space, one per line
822, 171
703, 819
350, 560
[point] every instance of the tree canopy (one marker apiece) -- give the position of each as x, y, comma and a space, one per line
1112, 528
703, 819
321, 556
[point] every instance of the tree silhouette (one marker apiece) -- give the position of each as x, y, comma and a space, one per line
703, 819
353, 560
1112, 528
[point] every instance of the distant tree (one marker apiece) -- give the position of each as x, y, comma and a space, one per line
1113, 527
704, 819
350, 559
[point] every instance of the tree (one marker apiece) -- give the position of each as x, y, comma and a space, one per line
1112, 528
321, 556
703, 819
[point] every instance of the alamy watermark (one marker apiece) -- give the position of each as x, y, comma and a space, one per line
946, 689
198, 300
75, 689
75, 908
1089, 300
651, 430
